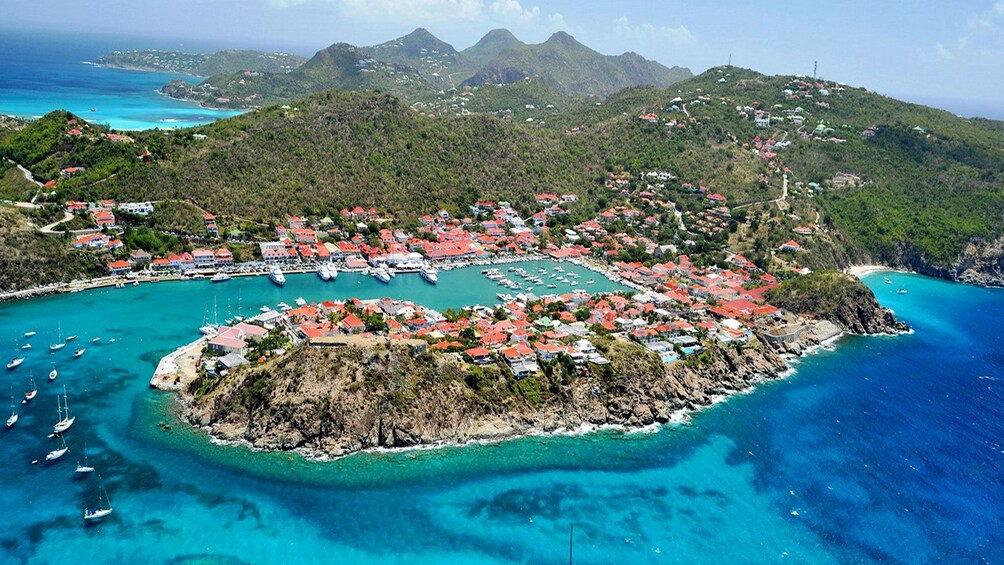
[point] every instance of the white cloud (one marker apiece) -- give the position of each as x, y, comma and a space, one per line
512, 9
556, 20
985, 29
677, 35
943, 52
414, 10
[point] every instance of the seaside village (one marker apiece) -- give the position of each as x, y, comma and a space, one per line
673, 307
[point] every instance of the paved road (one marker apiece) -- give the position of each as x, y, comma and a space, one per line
49, 228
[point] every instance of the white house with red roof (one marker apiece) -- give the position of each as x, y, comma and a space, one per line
791, 245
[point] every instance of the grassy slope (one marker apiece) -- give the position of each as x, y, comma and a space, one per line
28, 258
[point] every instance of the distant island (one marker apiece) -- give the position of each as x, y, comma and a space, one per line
201, 64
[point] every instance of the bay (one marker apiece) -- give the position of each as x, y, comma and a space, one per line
42, 71
887, 449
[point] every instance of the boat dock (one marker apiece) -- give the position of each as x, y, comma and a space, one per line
178, 368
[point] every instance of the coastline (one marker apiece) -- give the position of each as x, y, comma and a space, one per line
676, 419
678, 416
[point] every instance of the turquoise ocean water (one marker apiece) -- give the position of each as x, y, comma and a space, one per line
45, 71
887, 449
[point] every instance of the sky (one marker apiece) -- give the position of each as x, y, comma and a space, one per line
948, 54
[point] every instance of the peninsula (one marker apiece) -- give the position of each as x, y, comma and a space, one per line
201, 64
481, 375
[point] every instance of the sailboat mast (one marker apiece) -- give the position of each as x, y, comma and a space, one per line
571, 532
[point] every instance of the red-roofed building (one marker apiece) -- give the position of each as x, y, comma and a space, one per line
119, 267
791, 245
351, 324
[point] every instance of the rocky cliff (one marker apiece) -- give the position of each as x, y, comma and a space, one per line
839, 298
335, 401
376, 393
980, 263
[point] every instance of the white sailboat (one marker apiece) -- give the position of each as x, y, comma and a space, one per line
102, 510
59, 340
85, 468
15, 362
13, 412
65, 420
30, 394
208, 328
60, 450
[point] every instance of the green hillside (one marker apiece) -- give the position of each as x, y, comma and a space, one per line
901, 196
493, 44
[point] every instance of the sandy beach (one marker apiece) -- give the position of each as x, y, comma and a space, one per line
862, 270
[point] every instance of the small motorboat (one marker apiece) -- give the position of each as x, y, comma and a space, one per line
95, 340
220, 277
15, 362
53, 374
79, 352
901, 291
29, 334
887, 280
26, 346
71, 338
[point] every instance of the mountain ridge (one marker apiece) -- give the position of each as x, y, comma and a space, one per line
420, 67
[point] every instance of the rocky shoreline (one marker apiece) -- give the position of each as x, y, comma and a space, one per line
328, 403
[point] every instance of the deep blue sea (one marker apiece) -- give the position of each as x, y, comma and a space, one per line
44, 71
889, 449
